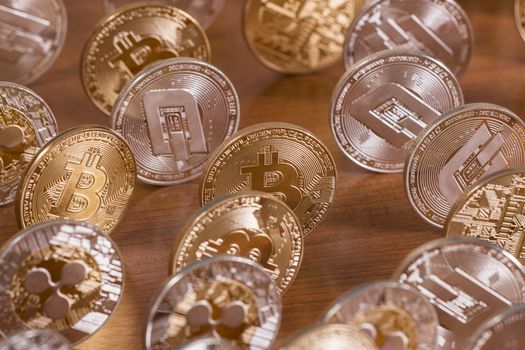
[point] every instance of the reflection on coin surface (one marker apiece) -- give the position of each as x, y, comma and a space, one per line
278, 158
519, 16
455, 151
62, 276
86, 173
36, 340
130, 39
389, 312
228, 297
173, 114
32, 34
255, 225
467, 280
493, 209
204, 11
439, 28
210, 343
503, 332
298, 36
331, 336
382, 103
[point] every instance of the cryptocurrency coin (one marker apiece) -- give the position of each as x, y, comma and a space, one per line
519, 16
298, 36
204, 11
86, 173
173, 114
390, 313
331, 336
467, 280
278, 158
210, 343
438, 28
382, 103
32, 34
503, 332
455, 151
493, 210
255, 225
63, 276
36, 340
227, 297
130, 39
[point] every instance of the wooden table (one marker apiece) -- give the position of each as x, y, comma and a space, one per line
370, 227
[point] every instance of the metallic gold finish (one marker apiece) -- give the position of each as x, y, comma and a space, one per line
227, 297
173, 114
298, 36
455, 151
519, 16
128, 40
255, 225
278, 158
35, 340
63, 276
86, 174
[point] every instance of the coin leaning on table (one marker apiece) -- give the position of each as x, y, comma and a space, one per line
86, 173
173, 114
127, 41
36, 339
382, 102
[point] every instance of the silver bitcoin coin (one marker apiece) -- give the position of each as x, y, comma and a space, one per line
210, 343
226, 297
36, 340
381, 104
173, 114
32, 34
391, 313
467, 280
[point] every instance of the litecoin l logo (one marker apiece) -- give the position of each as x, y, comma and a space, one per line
398, 119
174, 123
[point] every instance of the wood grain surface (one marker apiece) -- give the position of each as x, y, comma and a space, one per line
370, 227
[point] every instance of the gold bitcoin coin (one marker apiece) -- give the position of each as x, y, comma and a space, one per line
133, 37
278, 158
493, 210
298, 36
255, 225
85, 174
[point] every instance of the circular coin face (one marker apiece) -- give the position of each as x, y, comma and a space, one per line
210, 343
36, 340
492, 210
390, 313
85, 174
204, 11
226, 297
278, 158
62, 276
301, 36
173, 114
255, 225
382, 103
455, 151
439, 28
128, 40
32, 33
519, 16
467, 280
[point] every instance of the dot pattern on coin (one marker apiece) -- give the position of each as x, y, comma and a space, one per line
36, 340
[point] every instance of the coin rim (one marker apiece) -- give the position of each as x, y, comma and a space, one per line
517, 18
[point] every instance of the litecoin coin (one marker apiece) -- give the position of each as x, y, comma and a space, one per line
467, 280
519, 16
390, 313
493, 210
382, 103
438, 28
173, 114
62, 276
85, 174
227, 297
298, 36
32, 34
36, 340
278, 158
210, 343
204, 11
255, 225
128, 40
455, 151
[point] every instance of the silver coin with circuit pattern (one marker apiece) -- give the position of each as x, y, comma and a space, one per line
36, 339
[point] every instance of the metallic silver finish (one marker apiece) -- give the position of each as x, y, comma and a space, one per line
36, 340
210, 343
467, 280
381, 104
